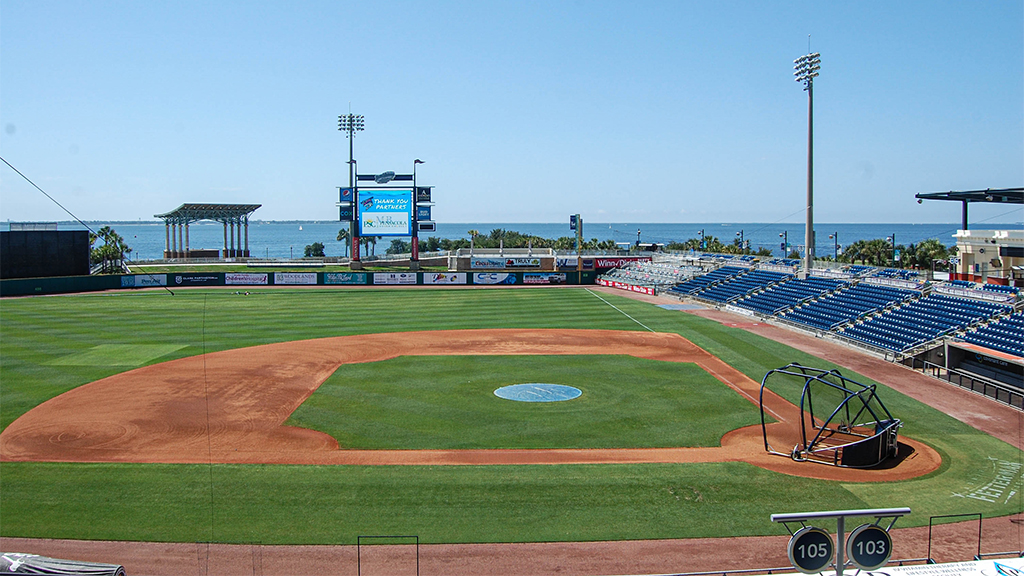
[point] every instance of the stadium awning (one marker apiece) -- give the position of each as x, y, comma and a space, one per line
990, 195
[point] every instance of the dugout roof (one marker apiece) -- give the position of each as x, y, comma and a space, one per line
219, 212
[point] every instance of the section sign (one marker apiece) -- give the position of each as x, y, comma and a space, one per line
385, 212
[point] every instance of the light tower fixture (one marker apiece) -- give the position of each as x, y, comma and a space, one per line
350, 124
807, 67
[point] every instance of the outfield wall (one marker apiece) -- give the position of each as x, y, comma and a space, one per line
73, 284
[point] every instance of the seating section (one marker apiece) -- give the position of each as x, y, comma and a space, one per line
1004, 335
897, 273
921, 321
738, 286
863, 310
789, 294
1000, 289
858, 270
846, 305
651, 274
698, 283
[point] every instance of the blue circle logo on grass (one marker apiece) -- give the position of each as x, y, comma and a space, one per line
538, 392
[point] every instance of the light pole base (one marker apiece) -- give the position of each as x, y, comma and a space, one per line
414, 265
355, 265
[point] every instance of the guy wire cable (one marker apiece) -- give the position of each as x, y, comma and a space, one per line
52, 199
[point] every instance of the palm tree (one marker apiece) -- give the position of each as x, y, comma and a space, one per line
927, 252
472, 236
343, 237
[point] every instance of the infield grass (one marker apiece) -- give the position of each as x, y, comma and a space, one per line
49, 345
448, 402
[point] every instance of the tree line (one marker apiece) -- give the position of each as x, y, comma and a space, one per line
877, 252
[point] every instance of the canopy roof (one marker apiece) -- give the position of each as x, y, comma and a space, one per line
1001, 195
218, 212
1007, 195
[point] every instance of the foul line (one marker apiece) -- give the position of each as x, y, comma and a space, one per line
620, 311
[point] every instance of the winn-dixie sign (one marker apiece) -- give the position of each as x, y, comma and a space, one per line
620, 262
385, 213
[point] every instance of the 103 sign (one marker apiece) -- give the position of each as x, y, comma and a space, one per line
869, 547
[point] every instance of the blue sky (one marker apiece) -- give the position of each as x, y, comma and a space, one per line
522, 111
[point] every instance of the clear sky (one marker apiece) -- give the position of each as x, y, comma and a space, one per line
628, 111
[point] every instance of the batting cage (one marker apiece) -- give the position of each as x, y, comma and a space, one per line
842, 422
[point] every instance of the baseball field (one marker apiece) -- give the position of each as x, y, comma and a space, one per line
312, 416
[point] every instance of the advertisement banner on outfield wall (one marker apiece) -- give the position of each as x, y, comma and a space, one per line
295, 278
522, 262
503, 263
487, 263
346, 278
143, 280
198, 279
246, 278
444, 278
394, 278
543, 278
494, 278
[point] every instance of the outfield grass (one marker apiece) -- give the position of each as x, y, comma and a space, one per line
50, 345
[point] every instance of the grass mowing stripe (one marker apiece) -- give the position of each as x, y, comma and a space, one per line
334, 504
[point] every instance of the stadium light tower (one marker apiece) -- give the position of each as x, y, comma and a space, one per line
350, 124
414, 245
806, 69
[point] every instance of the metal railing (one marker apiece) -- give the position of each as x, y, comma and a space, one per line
999, 392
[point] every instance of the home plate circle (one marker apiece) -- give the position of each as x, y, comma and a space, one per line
538, 392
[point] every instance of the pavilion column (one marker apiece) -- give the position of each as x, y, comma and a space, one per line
246, 236
232, 238
174, 240
225, 239
181, 244
167, 239
186, 240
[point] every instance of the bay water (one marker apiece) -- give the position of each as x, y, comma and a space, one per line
287, 239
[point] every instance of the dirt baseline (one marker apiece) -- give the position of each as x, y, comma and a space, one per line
230, 406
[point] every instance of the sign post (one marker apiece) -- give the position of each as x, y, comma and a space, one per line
869, 547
